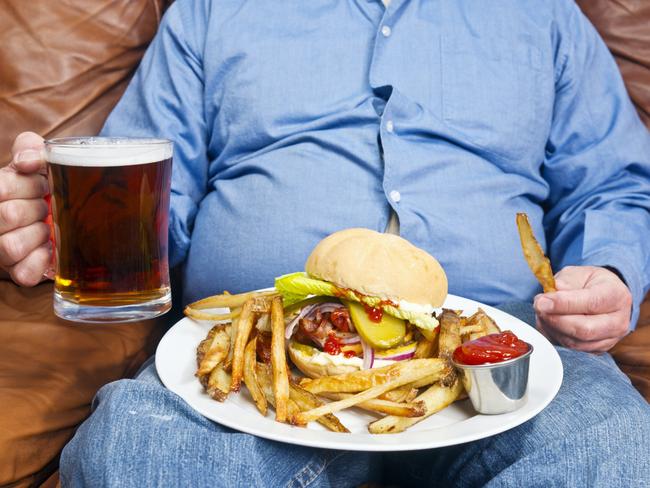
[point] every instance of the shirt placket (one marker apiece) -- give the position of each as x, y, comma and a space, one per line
383, 89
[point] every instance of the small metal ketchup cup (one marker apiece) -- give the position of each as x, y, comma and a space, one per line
499, 387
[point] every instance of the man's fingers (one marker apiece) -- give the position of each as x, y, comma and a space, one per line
589, 301
20, 213
15, 185
18, 244
558, 338
28, 153
31, 270
586, 328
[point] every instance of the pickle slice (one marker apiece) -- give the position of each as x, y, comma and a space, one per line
385, 334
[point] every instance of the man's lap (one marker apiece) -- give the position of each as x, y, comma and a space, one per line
595, 427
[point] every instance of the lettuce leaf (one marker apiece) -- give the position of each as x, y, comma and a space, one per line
295, 287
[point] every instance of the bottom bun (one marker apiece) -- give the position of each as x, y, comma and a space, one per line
315, 363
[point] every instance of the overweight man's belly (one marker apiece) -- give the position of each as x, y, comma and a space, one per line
243, 241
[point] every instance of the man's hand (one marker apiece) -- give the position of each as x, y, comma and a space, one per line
589, 312
25, 248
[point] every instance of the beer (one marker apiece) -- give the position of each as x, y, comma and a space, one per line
110, 205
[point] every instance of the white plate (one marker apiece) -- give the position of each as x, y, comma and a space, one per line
457, 424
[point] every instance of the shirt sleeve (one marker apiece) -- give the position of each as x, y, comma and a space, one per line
165, 99
597, 163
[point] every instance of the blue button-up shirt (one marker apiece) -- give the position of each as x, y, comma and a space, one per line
294, 119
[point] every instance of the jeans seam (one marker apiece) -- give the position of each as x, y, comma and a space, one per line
300, 479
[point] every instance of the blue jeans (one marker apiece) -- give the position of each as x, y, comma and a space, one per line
596, 432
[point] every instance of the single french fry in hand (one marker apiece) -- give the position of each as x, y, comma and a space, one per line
226, 300
244, 327
218, 385
279, 360
539, 264
435, 398
307, 401
368, 378
250, 376
403, 377
216, 351
412, 409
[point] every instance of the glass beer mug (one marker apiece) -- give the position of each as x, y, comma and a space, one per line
110, 208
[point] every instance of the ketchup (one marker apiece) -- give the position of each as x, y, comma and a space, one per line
492, 348
332, 345
375, 314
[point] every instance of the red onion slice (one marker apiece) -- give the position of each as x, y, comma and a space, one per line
399, 357
402, 355
368, 355
288, 331
348, 338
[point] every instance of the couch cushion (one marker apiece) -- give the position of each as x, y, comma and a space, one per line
623, 24
49, 372
64, 65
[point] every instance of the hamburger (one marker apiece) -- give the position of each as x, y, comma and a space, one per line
363, 301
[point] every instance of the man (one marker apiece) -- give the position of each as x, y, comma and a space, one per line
292, 121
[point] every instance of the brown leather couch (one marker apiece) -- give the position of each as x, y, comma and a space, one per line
63, 65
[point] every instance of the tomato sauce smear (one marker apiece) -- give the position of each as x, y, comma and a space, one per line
492, 348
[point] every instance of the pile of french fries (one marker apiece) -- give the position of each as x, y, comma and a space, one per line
402, 394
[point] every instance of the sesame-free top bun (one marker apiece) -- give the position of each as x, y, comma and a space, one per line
379, 265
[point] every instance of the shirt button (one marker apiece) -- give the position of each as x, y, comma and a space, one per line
395, 196
386, 31
389, 126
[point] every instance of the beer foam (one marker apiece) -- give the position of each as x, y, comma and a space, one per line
100, 151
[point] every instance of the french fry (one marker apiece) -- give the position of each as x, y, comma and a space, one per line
234, 327
538, 263
435, 398
471, 329
244, 327
226, 300
426, 348
215, 350
307, 401
250, 376
486, 321
448, 341
263, 323
204, 345
261, 304
265, 379
209, 316
218, 385
414, 409
368, 378
449, 338
478, 325
402, 394
402, 377
279, 360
